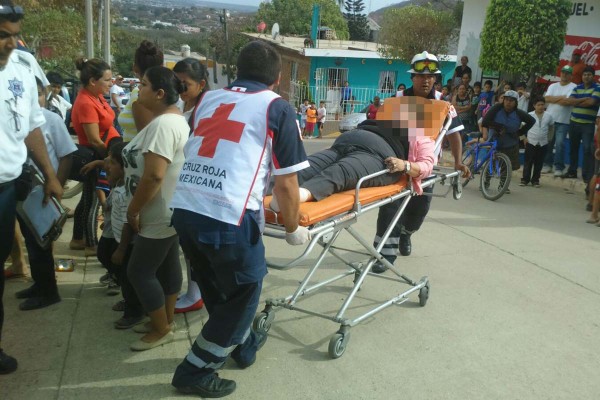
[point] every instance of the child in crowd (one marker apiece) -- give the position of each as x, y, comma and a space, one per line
311, 120
116, 243
303, 107
475, 99
446, 94
536, 143
486, 98
523, 102
321, 114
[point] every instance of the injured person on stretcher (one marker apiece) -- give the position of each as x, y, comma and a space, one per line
402, 145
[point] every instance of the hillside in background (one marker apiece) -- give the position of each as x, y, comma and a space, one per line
447, 5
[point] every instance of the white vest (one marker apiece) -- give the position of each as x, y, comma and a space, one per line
228, 158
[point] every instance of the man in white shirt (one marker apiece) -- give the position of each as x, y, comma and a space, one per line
55, 102
523, 100
19, 133
117, 94
561, 115
321, 114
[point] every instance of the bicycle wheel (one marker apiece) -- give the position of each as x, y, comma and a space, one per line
72, 189
93, 219
469, 161
495, 177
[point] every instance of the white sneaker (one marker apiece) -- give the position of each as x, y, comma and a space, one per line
546, 169
558, 173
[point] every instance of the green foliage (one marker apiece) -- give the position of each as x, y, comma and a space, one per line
410, 30
358, 27
62, 31
294, 16
524, 36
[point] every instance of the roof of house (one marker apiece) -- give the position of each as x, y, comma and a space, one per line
328, 48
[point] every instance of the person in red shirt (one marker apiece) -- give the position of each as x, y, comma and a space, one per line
578, 66
92, 120
373, 108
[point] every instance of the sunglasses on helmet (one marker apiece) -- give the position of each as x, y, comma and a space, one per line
429, 65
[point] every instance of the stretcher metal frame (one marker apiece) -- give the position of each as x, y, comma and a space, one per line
326, 232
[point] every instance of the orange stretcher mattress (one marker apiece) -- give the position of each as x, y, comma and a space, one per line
312, 212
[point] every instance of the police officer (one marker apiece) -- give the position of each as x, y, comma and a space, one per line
21, 118
243, 133
424, 70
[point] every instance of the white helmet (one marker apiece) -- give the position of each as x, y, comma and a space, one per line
424, 63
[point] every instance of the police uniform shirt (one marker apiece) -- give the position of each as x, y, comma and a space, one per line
20, 114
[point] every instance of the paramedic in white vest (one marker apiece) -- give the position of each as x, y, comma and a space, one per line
423, 74
242, 135
20, 134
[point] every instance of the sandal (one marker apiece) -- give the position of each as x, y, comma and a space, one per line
593, 221
8, 274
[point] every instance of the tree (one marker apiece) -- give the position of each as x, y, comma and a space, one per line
410, 30
294, 16
358, 26
55, 36
524, 36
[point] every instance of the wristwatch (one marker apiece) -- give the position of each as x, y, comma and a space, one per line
406, 167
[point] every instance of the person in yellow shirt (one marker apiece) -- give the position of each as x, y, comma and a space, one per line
311, 120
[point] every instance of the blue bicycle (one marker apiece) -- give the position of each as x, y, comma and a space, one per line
495, 167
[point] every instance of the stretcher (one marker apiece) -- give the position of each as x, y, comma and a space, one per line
326, 220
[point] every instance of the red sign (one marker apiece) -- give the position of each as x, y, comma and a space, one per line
590, 51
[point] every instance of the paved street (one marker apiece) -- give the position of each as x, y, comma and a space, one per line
513, 313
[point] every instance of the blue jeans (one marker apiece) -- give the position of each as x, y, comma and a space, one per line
558, 143
583, 133
8, 210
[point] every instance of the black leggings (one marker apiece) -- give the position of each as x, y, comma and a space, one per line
106, 248
81, 228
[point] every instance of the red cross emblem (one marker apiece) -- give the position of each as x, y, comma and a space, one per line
218, 127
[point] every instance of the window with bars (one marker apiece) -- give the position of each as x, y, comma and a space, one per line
387, 81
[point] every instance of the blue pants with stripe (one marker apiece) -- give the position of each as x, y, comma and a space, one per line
229, 271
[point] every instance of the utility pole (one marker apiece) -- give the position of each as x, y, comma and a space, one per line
223, 19
89, 29
107, 20
100, 23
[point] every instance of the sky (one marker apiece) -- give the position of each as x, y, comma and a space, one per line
370, 5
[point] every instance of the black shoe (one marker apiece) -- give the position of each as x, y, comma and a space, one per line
378, 268
405, 245
237, 356
209, 386
570, 174
8, 364
128, 322
33, 303
31, 291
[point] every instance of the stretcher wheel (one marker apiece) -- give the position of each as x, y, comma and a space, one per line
337, 344
262, 322
423, 295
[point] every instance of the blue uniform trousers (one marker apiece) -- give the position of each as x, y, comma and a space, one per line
228, 263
